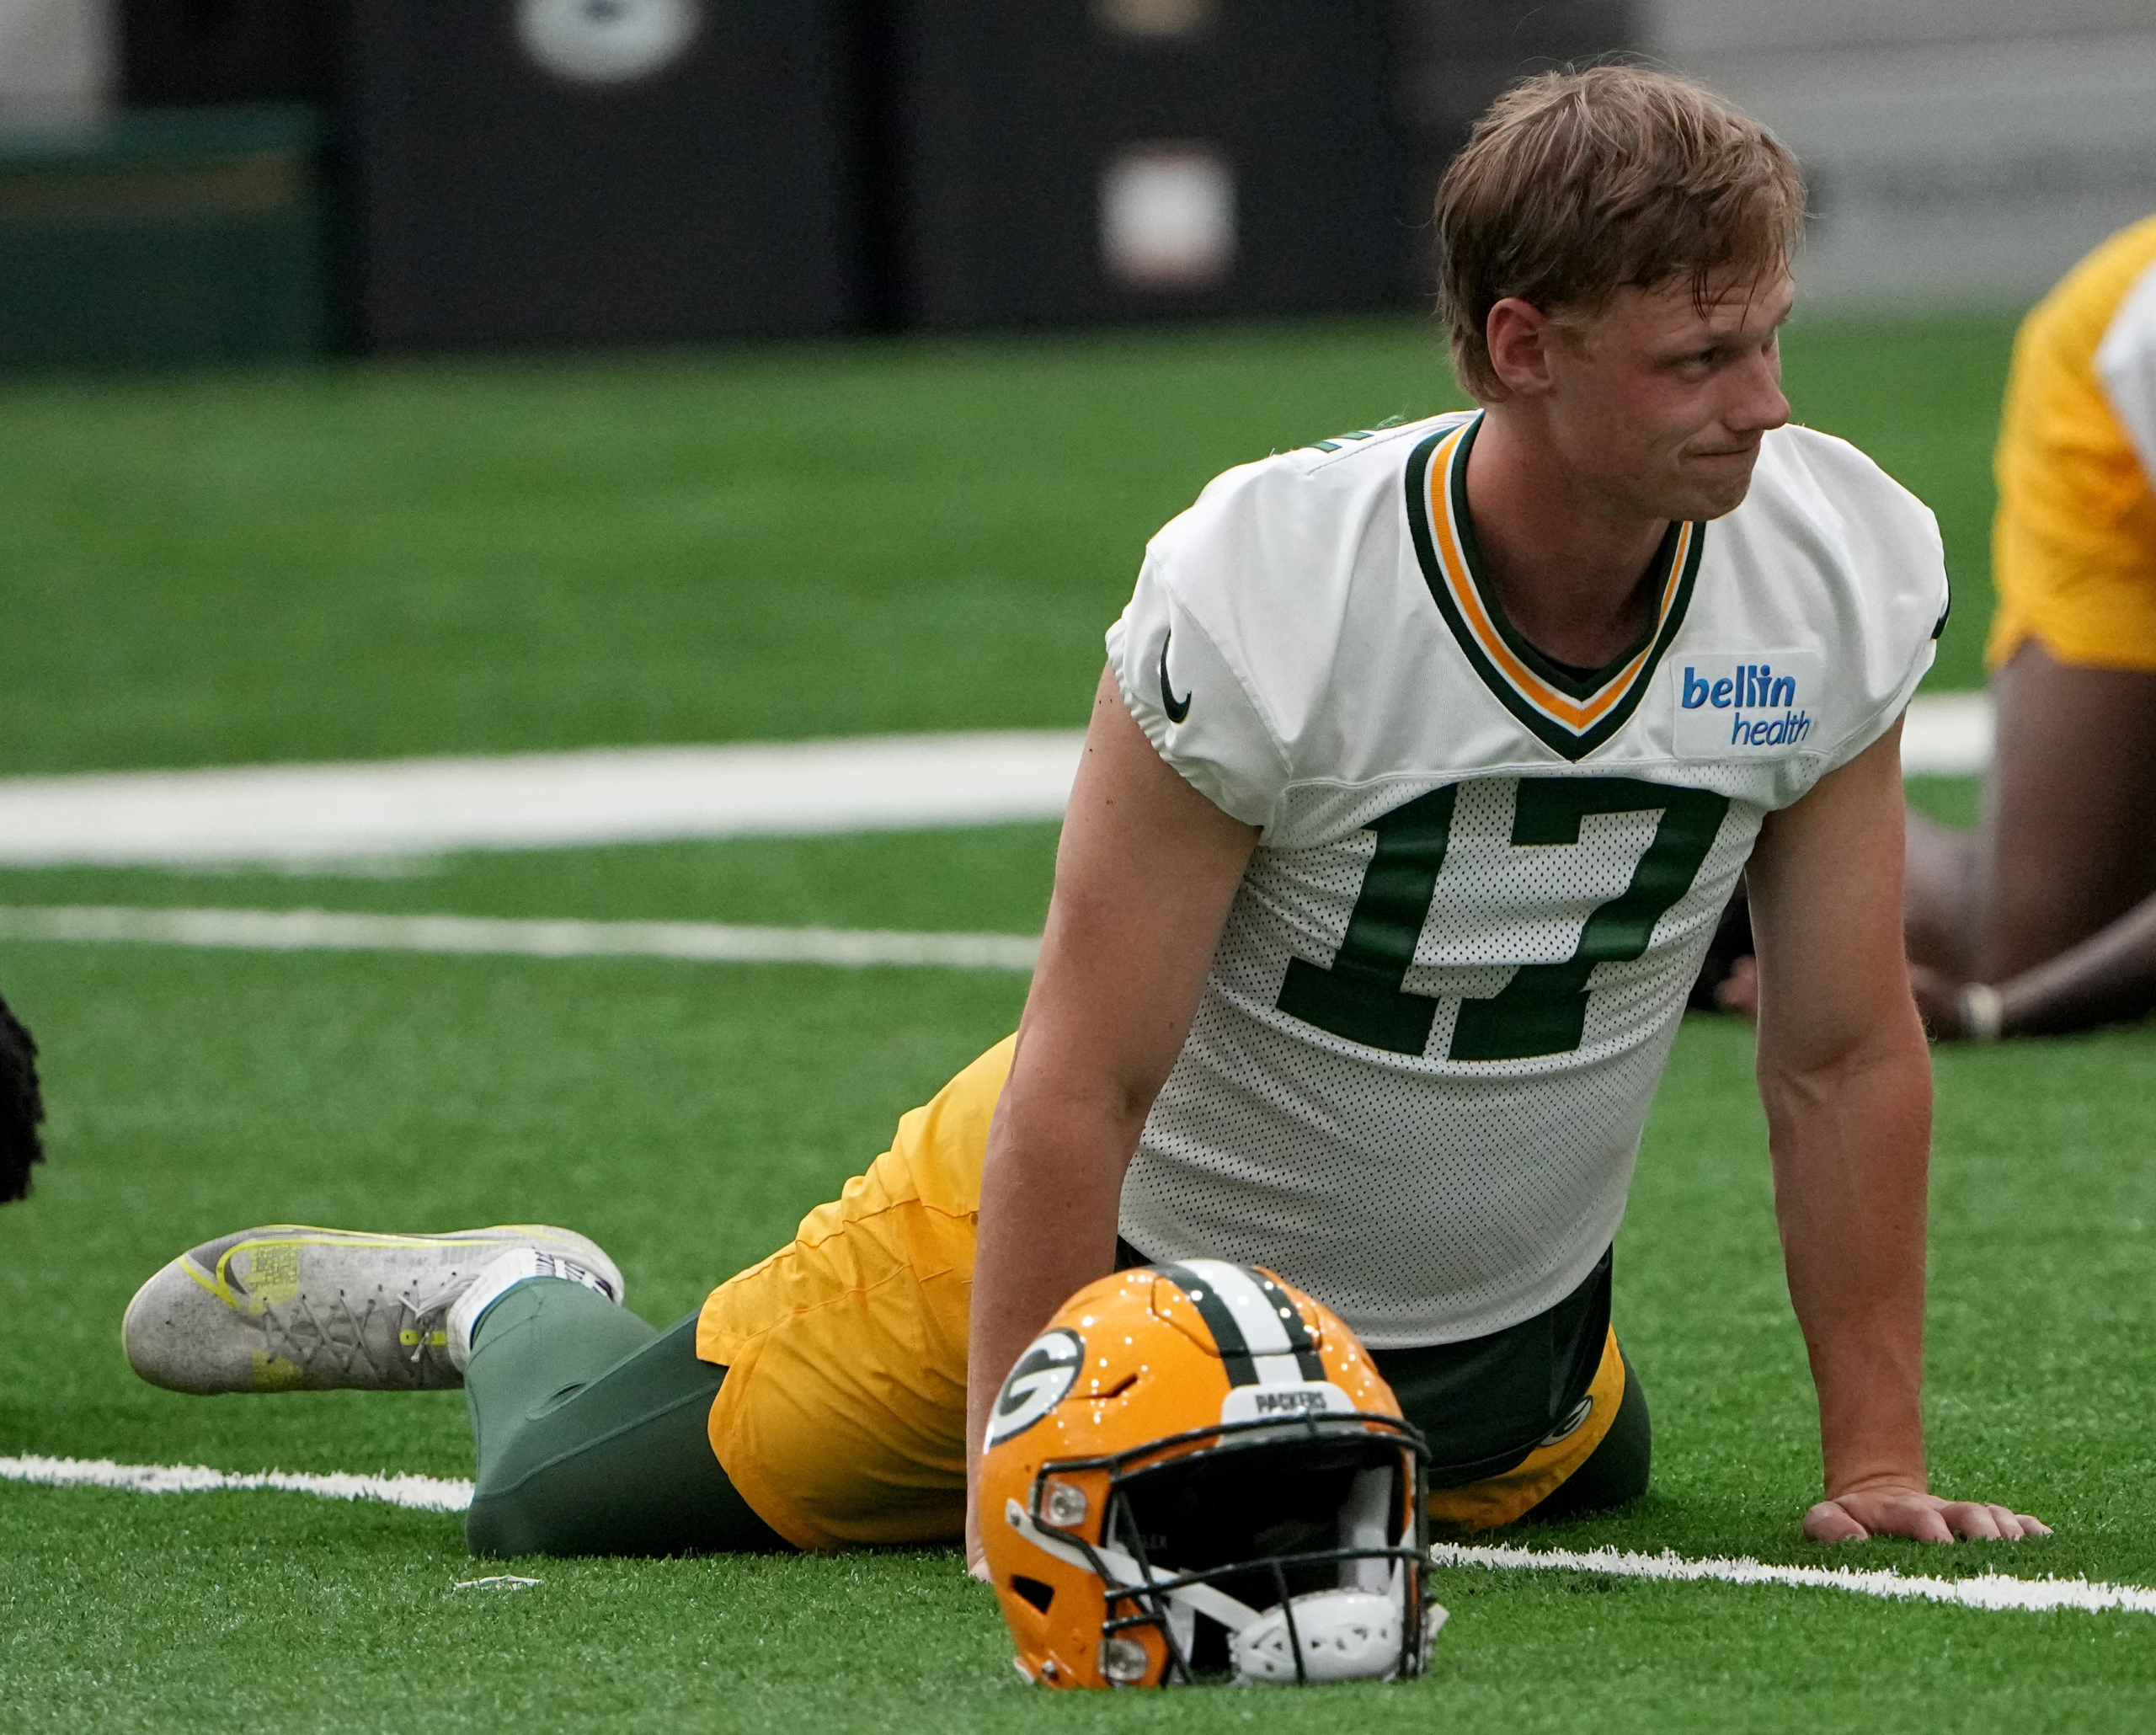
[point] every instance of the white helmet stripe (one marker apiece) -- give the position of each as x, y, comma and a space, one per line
1250, 1320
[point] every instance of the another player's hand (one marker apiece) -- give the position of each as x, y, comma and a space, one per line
1738, 991
1939, 1003
1892, 1509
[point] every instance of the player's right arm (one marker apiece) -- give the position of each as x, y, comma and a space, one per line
1144, 874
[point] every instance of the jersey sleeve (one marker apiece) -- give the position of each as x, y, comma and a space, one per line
1893, 597
2125, 367
1182, 672
1905, 577
1185, 693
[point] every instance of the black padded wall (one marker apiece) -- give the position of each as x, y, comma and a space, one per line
199, 53
1457, 56
550, 172
1018, 131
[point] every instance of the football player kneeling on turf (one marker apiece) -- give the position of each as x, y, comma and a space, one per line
1424, 765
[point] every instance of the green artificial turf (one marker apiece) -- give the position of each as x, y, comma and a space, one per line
1951, 801
360, 560
685, 1116
810, 541
991, 879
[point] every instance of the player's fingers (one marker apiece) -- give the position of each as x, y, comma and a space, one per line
1973, 1522
979, 1569
2015, 1526
1920, 1523
1829, 1521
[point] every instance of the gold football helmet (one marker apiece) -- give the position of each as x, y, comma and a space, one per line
1196, 1472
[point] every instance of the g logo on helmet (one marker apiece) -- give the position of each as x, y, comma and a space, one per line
606, 41
1041, 1379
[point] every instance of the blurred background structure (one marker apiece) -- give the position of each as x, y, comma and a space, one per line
194, 178
1957, 150
205, 177
183, 178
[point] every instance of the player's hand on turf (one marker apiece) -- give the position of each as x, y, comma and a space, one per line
1894, 1511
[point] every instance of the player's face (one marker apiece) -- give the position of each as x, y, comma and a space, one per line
1660, 405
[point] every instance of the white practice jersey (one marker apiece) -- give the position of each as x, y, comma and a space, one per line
1484, 885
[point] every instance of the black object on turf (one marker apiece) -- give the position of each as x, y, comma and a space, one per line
22, 1107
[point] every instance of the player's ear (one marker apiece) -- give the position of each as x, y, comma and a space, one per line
1520, 336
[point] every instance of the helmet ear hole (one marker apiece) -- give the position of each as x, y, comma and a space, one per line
1033, 1591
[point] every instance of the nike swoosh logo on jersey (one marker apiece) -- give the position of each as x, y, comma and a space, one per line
1177, 709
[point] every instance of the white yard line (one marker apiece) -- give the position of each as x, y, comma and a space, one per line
1984, 1590
327, 930
1993, 1591
296, 816
423, 1493
1946, 735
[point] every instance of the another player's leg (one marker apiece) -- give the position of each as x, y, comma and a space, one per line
1939, 882
2065, 847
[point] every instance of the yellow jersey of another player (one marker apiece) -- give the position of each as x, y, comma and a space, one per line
2073, 550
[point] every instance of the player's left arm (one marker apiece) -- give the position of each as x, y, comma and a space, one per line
1846, 1080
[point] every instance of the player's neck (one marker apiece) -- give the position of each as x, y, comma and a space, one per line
1573, 573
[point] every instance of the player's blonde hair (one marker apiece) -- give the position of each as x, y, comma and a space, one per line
1576, 184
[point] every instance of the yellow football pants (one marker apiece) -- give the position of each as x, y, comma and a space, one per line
841, 1421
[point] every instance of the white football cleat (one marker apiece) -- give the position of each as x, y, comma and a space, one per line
288, 1308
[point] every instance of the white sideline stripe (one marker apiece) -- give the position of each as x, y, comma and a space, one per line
422, 1493
298, 815
1946, 735
1985, 1590
425, 1493
330, 931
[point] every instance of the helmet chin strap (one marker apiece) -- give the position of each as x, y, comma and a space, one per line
1345, 1635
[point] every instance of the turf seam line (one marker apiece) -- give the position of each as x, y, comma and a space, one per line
693, 942
1994, 1591
1991, 1591
421, 1493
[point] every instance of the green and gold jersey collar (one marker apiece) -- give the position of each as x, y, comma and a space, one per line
1571, 712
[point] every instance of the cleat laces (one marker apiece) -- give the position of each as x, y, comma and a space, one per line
385, 1337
